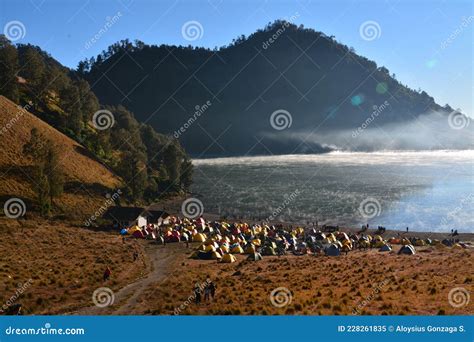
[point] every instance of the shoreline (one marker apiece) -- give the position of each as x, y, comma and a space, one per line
173, 207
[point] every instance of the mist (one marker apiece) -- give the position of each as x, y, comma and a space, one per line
431, 131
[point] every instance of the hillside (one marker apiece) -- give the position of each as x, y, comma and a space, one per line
324, 85
151, 165
86, 180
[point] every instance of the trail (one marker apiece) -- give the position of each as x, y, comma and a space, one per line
126, 299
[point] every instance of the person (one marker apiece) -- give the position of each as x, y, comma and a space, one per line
135, 256
187, 242
455, 232
107, 273
407, 229
197, 293
207, 290
213, 288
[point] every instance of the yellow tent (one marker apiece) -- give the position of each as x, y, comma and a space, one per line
256, 242
250, 249
199, 237
237, 250
210, 248
228, 258
215, 255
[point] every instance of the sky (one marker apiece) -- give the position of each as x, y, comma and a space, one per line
427, 44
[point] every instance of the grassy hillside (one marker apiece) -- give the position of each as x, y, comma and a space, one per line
59, 267
86, 180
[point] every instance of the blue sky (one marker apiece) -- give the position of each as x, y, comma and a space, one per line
413, 42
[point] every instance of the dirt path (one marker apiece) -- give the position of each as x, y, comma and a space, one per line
162, 260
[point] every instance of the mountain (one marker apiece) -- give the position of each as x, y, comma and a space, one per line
220, 102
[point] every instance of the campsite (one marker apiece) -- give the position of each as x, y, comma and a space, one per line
258, 270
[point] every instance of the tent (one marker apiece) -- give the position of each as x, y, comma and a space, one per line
385, 248
407, 249
138, 234
237, 250
228, 258
123, 232
333, 250
447, 242
199, 237
255, 257
250, 249
267, 250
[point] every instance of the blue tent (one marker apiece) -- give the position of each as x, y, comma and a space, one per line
333, 250
123, 232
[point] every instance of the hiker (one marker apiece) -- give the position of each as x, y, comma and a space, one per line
455, 232
107, 273
207, 292
187, 242
135, 256
213, 288
197, 293
407, 229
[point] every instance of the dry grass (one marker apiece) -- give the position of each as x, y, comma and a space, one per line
86, 178
65, 264
392, 284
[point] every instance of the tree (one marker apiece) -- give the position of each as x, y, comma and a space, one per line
33, 69
52, 171
9, 66
47, 172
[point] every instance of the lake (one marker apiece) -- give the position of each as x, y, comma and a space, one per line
425, 191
